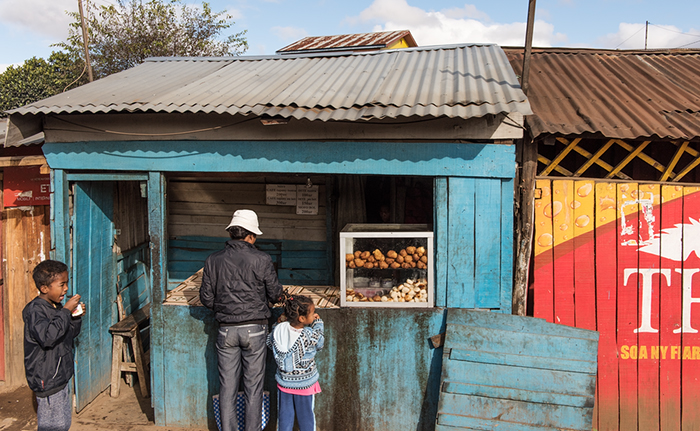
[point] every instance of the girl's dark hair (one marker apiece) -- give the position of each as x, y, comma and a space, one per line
296, 305
47, 271
237, 232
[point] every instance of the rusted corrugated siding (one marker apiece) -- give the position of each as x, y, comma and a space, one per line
377, 40
619, 94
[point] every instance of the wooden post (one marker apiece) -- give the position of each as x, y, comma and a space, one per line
524, 80
85, 40
527, 207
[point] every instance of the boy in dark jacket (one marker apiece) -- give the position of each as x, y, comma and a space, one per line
49, 330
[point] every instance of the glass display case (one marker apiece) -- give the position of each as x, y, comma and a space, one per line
386, 265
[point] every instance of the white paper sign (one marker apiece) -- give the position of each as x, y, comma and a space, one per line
307, 200
281, 194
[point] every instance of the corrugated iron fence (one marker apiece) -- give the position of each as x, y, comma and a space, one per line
623, 259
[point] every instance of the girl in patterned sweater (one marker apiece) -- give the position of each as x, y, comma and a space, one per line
294, 340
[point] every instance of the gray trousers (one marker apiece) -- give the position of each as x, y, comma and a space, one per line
241, 350
53, 413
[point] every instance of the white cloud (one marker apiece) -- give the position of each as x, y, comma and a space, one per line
3, 67
289, 34
46, 17
463, 25
631, 36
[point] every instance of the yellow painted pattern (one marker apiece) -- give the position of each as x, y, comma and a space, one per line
543, 218
562, 212
582, 204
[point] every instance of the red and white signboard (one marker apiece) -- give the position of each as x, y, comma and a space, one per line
26, 186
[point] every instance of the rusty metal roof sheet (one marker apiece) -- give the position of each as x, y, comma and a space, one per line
619, 94
453, 81
345, 42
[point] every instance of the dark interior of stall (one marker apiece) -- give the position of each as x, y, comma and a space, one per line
302, 240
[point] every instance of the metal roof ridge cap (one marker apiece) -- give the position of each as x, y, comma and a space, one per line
320, 53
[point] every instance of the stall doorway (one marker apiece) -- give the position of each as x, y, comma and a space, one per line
109, 269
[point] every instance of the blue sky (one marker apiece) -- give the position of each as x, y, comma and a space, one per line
29, 27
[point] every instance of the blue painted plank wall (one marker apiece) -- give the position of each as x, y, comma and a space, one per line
474, 243
296, 261
516, 373
371, 158
378, 369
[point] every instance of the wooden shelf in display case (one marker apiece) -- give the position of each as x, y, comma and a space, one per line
386, 265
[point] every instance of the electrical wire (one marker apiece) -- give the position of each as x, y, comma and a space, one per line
115, 132
674, 31
691, 43
629, 37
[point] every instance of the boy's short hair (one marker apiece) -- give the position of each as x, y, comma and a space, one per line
237, 232
47, 271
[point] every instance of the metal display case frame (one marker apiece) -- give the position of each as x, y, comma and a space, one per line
398, 232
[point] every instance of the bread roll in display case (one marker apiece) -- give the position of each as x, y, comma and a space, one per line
386, 265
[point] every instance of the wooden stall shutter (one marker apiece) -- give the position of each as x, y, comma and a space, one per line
95, 280
621, 258
505, 372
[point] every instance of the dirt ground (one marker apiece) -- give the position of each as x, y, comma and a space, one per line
129, 412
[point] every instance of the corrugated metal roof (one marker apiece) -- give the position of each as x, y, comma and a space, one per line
619, 94
375, 40
453, 81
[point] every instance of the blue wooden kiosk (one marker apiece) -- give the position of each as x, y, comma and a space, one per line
448, 114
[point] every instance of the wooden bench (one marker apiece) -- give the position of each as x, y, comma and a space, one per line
127, 331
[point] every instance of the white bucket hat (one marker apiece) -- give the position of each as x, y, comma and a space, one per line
246, 219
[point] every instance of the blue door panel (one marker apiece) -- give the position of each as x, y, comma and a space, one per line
93, 274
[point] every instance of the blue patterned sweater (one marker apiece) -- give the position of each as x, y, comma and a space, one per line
294, 353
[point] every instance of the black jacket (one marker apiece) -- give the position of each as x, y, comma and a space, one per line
48, 346
238, 282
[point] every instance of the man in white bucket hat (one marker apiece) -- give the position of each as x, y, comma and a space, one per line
238, 283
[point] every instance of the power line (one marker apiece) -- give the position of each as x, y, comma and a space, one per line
643, 27
674, 31
691, 43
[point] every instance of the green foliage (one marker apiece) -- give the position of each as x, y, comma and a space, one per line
124, 35
38, 79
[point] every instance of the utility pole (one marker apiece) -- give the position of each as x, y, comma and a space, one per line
85, 41
646, 36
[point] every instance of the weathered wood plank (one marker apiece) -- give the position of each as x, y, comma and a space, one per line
648, 369
606, 302
156, 229
690, 341
390, 158
507, 246
487, 241
526, 361
583, 222
562, 226
494, 340
507, 393
520, 380
26, 240
441, 236
478, 412
461, 246
543, 284
518, 324
94, 276
628, 292
671, 304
